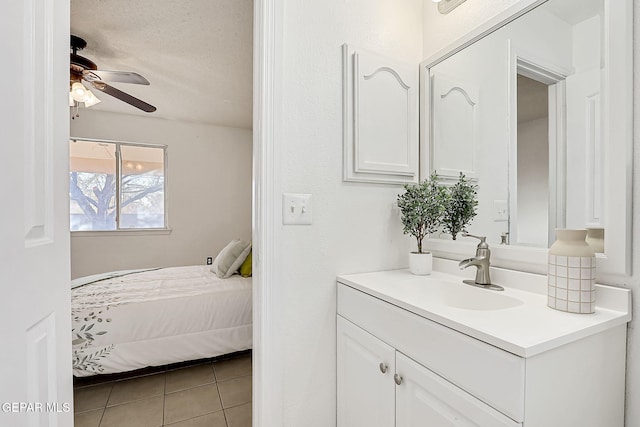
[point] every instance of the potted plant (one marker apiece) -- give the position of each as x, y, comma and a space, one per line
421, 207
461, 200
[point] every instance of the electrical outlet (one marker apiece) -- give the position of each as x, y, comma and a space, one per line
209, 260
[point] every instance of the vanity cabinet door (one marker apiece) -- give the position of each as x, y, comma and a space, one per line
366, 390
424, 399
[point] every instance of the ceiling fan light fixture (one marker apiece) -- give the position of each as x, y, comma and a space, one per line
83, 69
91, 99
79, 92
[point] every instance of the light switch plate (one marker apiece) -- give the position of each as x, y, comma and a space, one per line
500, 210
296, 209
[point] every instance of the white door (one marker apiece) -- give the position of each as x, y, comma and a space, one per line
426, 399
366, 391
585, 149
35, 353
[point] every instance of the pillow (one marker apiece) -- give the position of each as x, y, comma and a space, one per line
245, 267
229, 259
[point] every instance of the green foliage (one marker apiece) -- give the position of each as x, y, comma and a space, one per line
459, 206
422, 207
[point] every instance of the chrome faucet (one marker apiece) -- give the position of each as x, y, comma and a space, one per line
482, 262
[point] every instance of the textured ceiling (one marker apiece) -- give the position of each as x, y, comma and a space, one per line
197, 55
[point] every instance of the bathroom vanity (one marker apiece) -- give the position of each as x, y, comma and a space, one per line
432, 351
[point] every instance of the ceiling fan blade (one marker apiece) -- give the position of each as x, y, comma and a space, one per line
122, 96
119, 76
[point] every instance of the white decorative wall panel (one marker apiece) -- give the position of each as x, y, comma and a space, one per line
38, 107
455, 128
380, 118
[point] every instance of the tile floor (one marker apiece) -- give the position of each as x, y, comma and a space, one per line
213, 394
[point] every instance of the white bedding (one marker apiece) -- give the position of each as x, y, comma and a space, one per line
158, 317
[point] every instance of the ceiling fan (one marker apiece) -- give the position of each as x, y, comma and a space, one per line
83, 69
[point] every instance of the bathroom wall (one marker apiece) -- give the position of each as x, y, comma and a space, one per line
355, 226
442, 30
633, 282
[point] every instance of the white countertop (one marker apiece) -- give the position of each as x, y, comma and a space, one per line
520, 323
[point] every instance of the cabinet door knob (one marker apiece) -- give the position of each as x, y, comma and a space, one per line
397, 378
383, 368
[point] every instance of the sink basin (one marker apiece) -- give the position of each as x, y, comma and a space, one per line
469, 298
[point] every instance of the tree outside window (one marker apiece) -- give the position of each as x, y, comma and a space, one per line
116, 185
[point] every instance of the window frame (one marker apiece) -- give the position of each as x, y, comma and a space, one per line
130, 231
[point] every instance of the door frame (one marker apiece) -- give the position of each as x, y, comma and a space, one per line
267, 392
553, 76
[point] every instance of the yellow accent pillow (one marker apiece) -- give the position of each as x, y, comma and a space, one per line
245, 268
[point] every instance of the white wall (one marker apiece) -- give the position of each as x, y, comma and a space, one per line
442, 30
632, 417
355, 227
209, 194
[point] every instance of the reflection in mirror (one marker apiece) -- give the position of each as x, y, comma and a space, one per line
532, 168
582, 52
520, 111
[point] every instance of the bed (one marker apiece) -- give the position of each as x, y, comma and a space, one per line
129, 320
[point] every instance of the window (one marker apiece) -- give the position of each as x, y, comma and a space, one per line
116, 186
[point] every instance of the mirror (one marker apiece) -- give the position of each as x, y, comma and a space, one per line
537, 111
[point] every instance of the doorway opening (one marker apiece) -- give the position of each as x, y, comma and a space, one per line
532, 168
180, 163
537, 168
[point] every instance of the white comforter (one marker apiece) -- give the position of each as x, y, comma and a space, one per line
158, 317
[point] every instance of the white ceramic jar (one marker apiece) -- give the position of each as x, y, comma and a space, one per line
571, 273
595, 239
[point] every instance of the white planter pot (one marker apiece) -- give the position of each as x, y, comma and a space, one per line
420, 263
